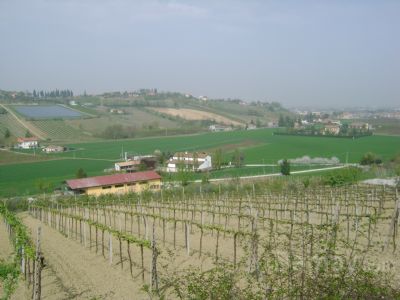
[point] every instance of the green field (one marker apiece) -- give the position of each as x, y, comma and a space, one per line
25, 178
258, 146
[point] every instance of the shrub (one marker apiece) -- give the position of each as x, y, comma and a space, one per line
343, 176
370, 158
285, 167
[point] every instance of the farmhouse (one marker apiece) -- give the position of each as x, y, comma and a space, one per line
52, 149
332, 129
130, 165
135, 163
218, 128
360, 126
116, 184
28, 143
196, 161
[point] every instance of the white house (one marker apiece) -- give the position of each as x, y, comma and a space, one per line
27, 143
218, 128
196, 161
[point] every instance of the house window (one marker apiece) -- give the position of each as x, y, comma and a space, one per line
143, 182
119, 185
131, 184
106, 187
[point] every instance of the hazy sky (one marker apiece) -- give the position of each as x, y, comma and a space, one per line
295, 52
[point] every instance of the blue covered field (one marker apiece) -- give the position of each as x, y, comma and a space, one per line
46, 111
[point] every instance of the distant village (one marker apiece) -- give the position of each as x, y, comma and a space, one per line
321, 124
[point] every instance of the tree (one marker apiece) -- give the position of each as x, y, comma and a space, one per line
281, 122
217, 159
238, 158
285, 167
344, 129
368, 158
183, 175
28, 134
7, 133
81, 173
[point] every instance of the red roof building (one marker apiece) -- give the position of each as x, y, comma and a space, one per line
117, 183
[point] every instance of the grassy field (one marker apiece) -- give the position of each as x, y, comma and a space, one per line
258, 147
26, 178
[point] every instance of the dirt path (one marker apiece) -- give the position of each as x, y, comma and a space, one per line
36, 132
73, 272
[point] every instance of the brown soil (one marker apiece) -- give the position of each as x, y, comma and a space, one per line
73, 272
192, 114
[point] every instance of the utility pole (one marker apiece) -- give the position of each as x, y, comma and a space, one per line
347, 158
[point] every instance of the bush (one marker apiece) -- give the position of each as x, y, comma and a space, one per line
343, 176
370, 158
81, 173
285, 167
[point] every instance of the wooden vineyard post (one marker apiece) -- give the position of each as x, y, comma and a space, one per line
138, 222
142, 258
217, 247
102, 242
90, 237
163, 222
187, 239
174, 234
110, 247
120, 253
84, 234
234, 249
393, 226
154, 254
37, 284
201, 241
96, 232
129, 256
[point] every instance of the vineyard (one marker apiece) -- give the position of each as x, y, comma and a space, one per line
248, 243
8, 121
59, 130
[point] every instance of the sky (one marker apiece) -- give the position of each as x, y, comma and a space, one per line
300, 53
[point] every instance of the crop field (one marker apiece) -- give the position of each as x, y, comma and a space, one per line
264, 146
58, 130
135, 118
257, 146
46, 111
8, 121
26, 178
275, 245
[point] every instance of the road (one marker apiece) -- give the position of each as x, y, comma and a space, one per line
274, 174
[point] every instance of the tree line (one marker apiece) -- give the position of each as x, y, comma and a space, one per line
52, 94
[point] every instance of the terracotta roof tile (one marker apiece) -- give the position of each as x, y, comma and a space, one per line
111, 179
